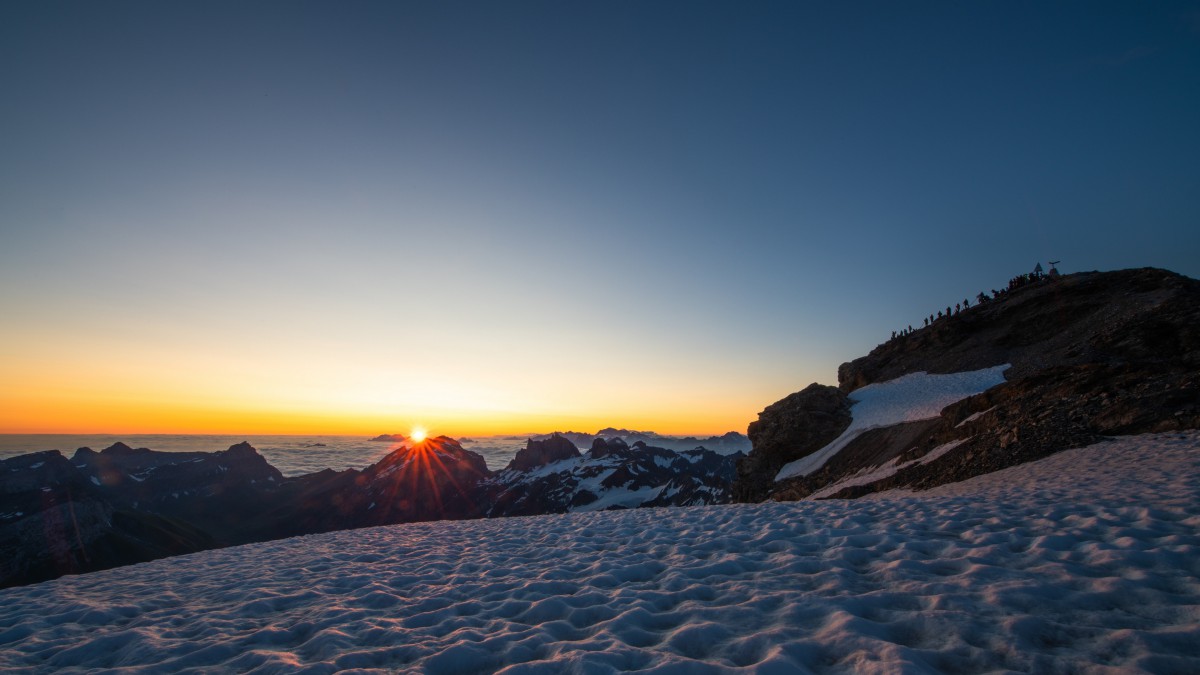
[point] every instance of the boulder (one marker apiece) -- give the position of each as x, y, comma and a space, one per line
787, 430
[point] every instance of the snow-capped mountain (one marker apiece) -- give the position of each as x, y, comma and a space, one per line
610, 475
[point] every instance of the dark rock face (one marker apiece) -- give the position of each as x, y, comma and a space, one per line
1141, 315
213, 491
1093, 355
787, 430
56, 519
541, 453
603, 448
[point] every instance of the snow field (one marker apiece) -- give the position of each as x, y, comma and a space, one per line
1088, 560
908, 398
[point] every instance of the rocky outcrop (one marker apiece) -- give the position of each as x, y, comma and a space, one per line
541, 453
787, 430
1128, 316
1092, 354
602, 447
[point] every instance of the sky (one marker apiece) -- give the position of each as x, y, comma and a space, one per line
483, 217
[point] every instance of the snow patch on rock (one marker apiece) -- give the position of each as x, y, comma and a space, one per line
910, 398
885, 470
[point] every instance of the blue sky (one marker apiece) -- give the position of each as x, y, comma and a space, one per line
621, 212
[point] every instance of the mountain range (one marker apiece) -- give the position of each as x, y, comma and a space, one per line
1056, 362
121, 505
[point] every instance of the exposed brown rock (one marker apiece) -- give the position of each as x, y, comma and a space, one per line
799, 425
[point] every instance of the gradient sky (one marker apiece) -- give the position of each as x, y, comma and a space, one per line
517, 216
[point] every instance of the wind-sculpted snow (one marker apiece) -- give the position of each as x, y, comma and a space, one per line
1088, 560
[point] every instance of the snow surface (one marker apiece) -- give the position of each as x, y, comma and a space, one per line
909, 398
1087, 561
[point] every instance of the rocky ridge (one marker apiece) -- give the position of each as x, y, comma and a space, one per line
728, 443
612, 475
1092, 355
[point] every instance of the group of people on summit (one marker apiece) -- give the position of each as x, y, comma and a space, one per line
983, 298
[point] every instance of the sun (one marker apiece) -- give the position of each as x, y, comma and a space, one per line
418, 434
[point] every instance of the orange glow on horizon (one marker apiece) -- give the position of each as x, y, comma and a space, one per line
28, 411
111, 419
117, 382
418, 434
110, 402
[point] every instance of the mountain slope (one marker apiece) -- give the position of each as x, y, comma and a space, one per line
1089, 355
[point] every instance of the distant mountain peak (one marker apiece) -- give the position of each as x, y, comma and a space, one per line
120, 448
